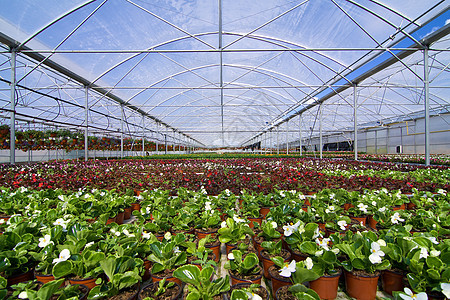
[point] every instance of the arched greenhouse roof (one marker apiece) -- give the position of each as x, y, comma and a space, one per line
225, 72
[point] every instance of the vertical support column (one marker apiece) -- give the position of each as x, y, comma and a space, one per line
287, 137
143, 135
12, 126
86, 120
320, 131
270, 140
165, 140
427, 106
278, 144
157, 137
355, 121
300, 133
221, 71
121, 131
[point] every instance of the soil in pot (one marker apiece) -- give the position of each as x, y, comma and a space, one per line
283, 294
253, 278
186, 291
203, 233
127, 294
20, 278
278, 280
168, 274
267, 262
171, 293
261, 291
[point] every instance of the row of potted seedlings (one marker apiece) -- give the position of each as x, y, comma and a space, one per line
286, 237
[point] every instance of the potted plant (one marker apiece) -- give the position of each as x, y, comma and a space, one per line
268, 232
363, 263
123, 277
51, 290
326, 265
248, 291
299, 273
200, 283
166, 256
272, 249
160, 289
243, 269
233, 231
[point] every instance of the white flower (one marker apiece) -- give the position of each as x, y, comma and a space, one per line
167, 235
335, 251
301, 197
282, 194
435, 253
253, 296
382, 209
127, 233
289, 229
309, 263
423, 253
374, 203
433, 239
395, 218
445, 289
238, 220
342, 224
89, 244
323, 243
230, 256
148, 210
63, 256
23, 295
208, 205
145, 235
2, 221
442, 192
288, 269
61, 222
45, 241
362, 207
116, 233
176, 249
411, 296
381, 242
375, 257
274, 224
318, 253
223, 224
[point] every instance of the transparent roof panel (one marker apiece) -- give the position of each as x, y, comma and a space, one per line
221, 76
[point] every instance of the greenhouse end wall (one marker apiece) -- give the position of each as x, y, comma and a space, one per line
407, 137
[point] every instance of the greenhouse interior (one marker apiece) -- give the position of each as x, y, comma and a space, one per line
224, 149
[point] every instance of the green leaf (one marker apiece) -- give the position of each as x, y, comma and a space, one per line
298, 288
193, 295
48, 289
188, 274
3, 283
434, 262
309, 247
358, 263
302, 274
434, 274
157, 268
278, 261
250, 261
206, 273
62, 269
238, 295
